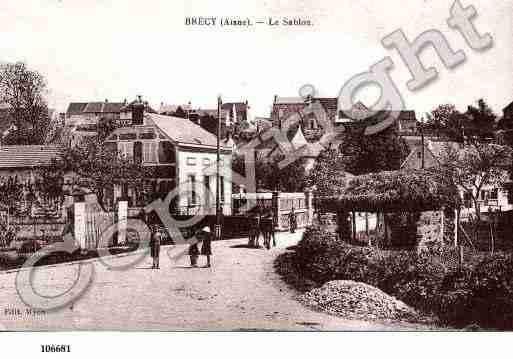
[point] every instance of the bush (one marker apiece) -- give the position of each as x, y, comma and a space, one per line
479, 293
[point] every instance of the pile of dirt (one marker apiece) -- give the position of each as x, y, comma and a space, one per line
357, 300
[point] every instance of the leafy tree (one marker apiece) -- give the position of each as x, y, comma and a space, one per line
384, 151
439, 119
99, 168
50, 180
270, 176
328, 176
105, 128
24, 90
476, 124
445, 122
481, 123
476, 166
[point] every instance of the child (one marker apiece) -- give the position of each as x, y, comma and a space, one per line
193, 254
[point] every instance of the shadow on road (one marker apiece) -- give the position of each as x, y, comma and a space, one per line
245, 246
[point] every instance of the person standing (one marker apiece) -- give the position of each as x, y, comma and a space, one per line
193, 254
206, 246
292, 221
155, 248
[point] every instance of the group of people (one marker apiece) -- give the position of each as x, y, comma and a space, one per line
259, 225
264, 226
204, 236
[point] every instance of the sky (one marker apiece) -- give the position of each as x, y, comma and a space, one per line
115, 49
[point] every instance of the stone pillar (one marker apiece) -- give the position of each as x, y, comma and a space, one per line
122, 221
277, 210
80, 224
309, 207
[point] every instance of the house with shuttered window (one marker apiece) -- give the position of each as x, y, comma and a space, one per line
180, 155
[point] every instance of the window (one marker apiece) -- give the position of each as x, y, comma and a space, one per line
150, 152
206, 162
494, 194
208, 190
126, 149
166, 152
192, 189
127, 136
147, 135
191, 161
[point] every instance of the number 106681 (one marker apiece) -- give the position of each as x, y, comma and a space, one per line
55, 348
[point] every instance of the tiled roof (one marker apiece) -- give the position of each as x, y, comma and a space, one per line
183, 131
288, 100
27, 156
76, 108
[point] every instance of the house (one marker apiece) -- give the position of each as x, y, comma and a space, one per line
23, 161
270, 150
283, 107
180, 154
82, 118
429, 156
85, 115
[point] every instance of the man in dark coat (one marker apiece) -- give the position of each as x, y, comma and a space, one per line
206, 246
155, 248
292, 221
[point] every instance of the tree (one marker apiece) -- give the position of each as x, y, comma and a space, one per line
384, 151
476, 166
476, 124
270, 176
328, 176
446, 122
481, 123
99, 168
24, 90
105, 128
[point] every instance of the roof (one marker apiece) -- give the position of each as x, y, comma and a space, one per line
433, 152
182, 130
395, 191
28, 156
165, 108
288, 100
76, 108
507, 108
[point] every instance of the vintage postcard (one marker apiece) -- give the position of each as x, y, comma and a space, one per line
279, 165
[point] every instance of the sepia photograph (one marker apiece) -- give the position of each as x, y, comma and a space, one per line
256, 166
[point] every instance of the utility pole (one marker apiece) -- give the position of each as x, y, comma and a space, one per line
218, 182
422, 145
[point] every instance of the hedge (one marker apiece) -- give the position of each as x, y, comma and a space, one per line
480, 294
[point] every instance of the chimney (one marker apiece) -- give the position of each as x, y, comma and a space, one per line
106, 100
275, 98
138, 111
